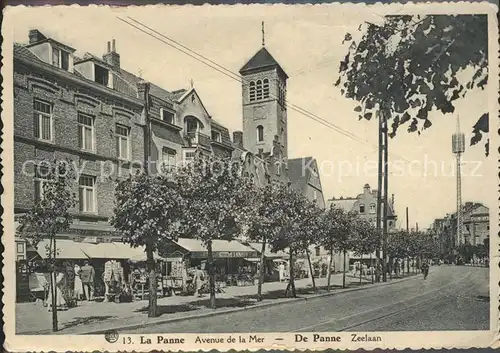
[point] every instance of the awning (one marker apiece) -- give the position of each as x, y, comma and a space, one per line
66, 249
221, 249
101, 251
268, 253
137, 254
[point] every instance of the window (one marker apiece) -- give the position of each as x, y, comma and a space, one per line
60, 58
315, 195
266, 88
87, 193
20, 248
101, 75
86, 132
168, 157
20, 257
216, 136
318, 251
258, 90
122, 141
372, 208
191, 125
41, 176
167, 116
260, 133
189, 156
42, 120
361, 208
252, 91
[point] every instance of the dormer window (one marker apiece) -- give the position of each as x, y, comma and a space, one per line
101, 75
216, 136
60, 58
167, 116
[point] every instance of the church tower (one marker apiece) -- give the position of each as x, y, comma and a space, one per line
264, 104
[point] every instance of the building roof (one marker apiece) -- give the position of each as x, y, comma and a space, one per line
261, 60
346, 204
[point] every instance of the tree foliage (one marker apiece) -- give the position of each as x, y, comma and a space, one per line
412, 65
147, 213
217, 204
50, 215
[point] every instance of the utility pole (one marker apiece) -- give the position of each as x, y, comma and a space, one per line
379, 197
386, 190
407, 222
416, 226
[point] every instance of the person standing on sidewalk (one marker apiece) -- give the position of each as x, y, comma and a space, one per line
87, 274
198, 281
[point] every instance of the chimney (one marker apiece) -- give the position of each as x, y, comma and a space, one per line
36, 36
366, 188
238, 138
112, 57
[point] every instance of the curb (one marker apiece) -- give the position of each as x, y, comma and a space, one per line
230, 311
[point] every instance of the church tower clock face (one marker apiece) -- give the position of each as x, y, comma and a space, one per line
259, 113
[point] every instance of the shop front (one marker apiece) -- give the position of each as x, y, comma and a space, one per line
235, 264
119, 270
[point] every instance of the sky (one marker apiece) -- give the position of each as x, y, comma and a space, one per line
307, 42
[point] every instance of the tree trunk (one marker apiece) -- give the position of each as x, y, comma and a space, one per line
53, 282
261, 271
290, 288
329, 272
371, 268
360, 268
408, 266
343, 272
153, 282
211, 274
311, 269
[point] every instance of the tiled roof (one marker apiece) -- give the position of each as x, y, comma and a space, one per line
23, 52
262, 59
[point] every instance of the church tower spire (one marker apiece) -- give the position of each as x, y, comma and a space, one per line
263, 35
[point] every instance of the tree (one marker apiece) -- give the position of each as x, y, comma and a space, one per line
50, 215
147, 213
216, 203
411, 65
398, 246
338, 227
365, 240
310, 231
267, 221
290, 236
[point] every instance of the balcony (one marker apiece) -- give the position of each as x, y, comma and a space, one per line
196, 138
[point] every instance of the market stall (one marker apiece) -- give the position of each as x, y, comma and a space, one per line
234, 262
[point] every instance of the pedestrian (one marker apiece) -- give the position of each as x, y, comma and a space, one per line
78, 287
282, 272
198, 279
59, 283
87, 275
425, 269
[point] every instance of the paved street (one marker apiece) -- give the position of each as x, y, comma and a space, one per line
452, 298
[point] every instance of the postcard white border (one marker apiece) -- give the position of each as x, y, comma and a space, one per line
400, 340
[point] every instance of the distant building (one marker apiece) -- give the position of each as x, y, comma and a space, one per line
476, 227
365, 204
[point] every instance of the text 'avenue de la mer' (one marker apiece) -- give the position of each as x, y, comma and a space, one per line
230, 339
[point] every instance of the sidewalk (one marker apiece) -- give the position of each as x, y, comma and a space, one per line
33, 318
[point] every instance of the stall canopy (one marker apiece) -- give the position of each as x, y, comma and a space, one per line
268, 253
66, 249
222, 249
69, 249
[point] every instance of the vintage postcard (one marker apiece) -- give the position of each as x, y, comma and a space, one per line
189, 178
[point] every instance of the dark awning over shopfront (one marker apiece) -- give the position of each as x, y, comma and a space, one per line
221, 249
